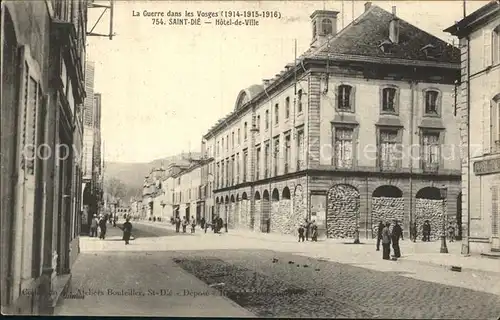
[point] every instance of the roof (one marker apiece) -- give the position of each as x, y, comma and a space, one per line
247, 95
364, 36
464, 26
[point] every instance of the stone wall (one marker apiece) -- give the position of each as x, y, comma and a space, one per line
431, 210
343, 209
244, 214
237, 214
256, 220
299, 204
387, 209
231, 214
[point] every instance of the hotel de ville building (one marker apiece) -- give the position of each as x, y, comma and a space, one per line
350, 133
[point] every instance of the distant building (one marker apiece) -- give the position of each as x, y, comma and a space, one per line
479, 112
360, 128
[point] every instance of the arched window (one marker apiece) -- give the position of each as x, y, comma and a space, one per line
326, 26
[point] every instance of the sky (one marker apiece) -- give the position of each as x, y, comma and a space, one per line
164, 86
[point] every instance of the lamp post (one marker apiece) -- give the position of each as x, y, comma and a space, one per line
444, 192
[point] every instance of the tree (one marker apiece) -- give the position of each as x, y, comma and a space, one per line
115, 188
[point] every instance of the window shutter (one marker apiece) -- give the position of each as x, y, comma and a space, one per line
487, 116
487, 53
494, 210
353, 98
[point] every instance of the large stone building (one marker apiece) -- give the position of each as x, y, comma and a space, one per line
479, 112
43, 50
360, 127
92, 197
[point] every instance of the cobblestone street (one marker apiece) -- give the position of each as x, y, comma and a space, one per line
162, 273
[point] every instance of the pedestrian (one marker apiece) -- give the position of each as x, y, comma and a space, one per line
308, 229
184, 224
93, 226
114, 221
127, 230
202, 223
451, 232
386, 242
426, 231
102, 225
193, 226
379, 234
397, 232
314, 232
413, 231
177, 224
301, 233
220, 225
206, 227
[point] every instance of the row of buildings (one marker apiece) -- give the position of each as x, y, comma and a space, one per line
353, 132
43, 129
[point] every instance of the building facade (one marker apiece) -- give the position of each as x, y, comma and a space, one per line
92, 197
349, 134
43, 50
479, 112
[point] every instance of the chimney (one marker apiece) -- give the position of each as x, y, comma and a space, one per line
394, 27
324, 25
265, 82
367, 6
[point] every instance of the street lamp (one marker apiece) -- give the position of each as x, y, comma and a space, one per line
444, 192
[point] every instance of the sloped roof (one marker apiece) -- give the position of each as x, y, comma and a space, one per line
247, 94
365, 34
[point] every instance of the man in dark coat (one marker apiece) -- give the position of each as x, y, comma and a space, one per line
102, 225
308, 229
220, 224
397, 232
202, 223
177, 224
379, 234
386, 242
127, 230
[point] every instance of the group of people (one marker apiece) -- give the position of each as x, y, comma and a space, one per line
388, 237
98, 223
426, 231
216, 225
310, 229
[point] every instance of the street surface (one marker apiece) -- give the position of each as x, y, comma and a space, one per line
162, 273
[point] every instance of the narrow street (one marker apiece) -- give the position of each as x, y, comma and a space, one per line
162, 273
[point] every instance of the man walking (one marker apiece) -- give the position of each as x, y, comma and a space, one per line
413, 231
451, 232
426, 230
102, 225
379, 234
127, 230
177, 224
93, 226
397, 232
301, 233
386, 242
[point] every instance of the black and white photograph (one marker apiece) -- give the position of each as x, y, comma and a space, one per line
250, 159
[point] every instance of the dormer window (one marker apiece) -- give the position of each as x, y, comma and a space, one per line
386, 46
345, 97
326, 26
432, 103
429, 51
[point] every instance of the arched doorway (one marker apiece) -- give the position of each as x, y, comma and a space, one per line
226, 210
266, 211
275, 210
387, 205
244, 211
429, 206
255, 217
342, 211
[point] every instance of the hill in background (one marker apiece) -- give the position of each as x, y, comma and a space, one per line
132, 174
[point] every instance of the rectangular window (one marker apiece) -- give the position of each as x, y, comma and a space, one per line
495, 126
257, 170
431, 148
431, 102
276, 113
276, 155
222, 174
287, 153
239, 141
232, 140
300, 150
237, 168
222, 143
389, 100
267, 119
266, 160
257, 125
344, 98
343, 152
245, 160
287, 107
299, 101
389, 149
227, 142
232, 170
245, 130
